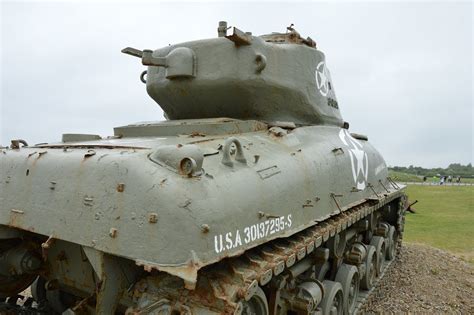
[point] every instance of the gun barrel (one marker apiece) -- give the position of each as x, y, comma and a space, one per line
414, 202
133, 52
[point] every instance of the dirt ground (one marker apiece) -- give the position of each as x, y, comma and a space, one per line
425, 280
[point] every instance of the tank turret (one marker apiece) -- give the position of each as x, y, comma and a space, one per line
275, 77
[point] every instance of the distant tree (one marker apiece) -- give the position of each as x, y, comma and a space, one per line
454, 169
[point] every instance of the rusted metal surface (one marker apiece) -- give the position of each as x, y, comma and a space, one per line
45, 247
89, 145
239, 38
133, 178
290, 37
121, 187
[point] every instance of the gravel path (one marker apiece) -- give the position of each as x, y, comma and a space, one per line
425, 280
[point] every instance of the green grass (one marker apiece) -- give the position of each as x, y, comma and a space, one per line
444, 218
405, 177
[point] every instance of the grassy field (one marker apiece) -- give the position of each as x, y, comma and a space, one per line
404, 177
444, 218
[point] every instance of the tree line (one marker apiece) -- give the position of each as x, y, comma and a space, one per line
454, 169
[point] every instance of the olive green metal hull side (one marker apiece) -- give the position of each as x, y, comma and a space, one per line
120, 202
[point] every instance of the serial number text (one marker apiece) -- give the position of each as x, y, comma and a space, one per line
249, 234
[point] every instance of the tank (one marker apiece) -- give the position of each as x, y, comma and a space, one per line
253, 197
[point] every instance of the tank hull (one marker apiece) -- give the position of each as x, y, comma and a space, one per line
300, 179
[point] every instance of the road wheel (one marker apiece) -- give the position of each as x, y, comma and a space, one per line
379, 243
391, 246
370, 261
348, 277
55, 299
256, 305
333, 299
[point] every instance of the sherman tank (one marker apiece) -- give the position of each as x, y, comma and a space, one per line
253, 197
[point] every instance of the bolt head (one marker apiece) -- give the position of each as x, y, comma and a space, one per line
153, 218
113, 232
205, 228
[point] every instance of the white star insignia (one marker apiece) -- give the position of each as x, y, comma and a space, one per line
359, 155
322, 81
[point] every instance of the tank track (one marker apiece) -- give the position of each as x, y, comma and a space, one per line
222, 285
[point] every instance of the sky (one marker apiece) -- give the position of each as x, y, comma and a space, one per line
402, 71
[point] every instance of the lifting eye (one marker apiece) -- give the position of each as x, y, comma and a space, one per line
261, 62
239, 157
143, 76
